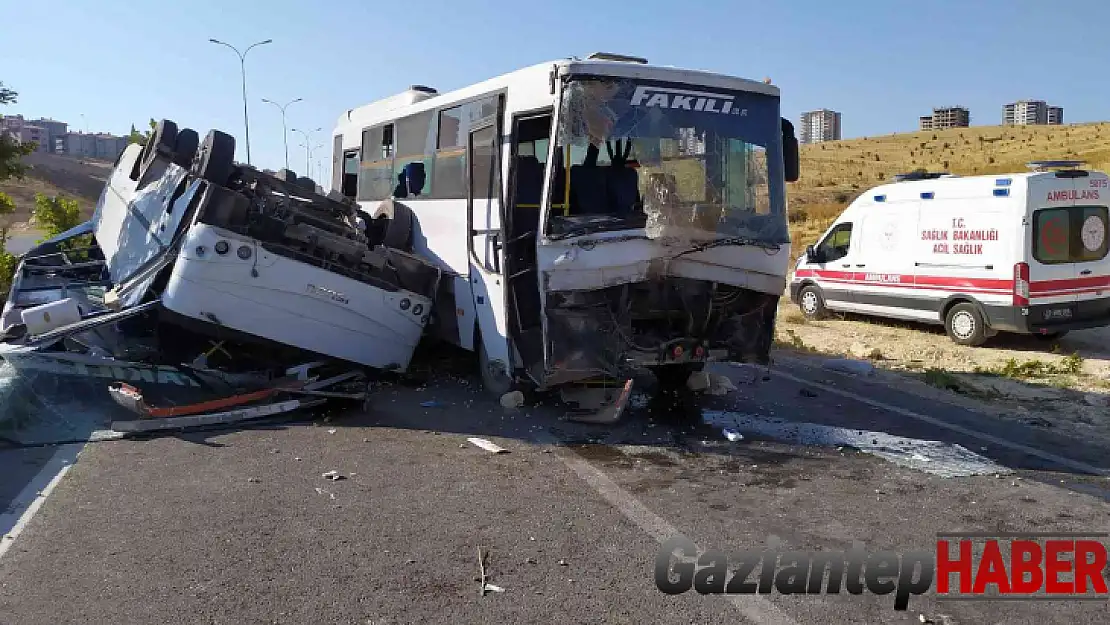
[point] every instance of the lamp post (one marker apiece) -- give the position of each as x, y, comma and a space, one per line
284, 131
243, 68
308, 152
307, 142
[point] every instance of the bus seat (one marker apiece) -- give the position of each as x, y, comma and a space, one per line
623, 186
529, 180
588, 194
414, 175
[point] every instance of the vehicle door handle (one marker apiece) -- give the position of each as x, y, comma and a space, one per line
1085, 272
860, 265
846, 265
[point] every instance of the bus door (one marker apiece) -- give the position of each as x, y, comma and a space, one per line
487, 242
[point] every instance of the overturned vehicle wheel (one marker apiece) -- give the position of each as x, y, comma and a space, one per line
215, 160
163, 141
185, 148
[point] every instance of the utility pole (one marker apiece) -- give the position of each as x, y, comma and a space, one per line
284, 131
243, 68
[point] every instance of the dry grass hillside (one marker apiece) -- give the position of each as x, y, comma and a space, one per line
835, 173
54, 175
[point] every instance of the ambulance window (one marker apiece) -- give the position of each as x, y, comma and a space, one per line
1073, 234
835, 246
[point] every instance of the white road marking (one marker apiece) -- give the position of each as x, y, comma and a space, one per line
34, 494
990, 438
756, 608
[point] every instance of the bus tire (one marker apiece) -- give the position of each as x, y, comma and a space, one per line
965, 326
162, 140
495, 383
215, 160
672, 378
811, 303
185, 148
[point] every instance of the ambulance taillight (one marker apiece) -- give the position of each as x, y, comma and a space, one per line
1021, 284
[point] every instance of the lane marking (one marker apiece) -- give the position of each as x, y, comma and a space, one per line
755, 608
990, 438
35, 493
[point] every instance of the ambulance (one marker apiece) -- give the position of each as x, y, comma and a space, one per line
1024, 253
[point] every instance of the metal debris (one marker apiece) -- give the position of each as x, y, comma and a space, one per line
487, 445
333, 475
512, 399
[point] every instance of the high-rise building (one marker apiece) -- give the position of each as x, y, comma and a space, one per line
946, 117
820, 125
1031, 112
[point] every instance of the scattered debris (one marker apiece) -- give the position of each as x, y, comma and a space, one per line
482, 570
719, 385
1039, 422
253, 480
487, 445
934, 457
732, 435
331, 431
805, 392
432, 404
320, 491
562, 563
333, 475
493, 588
512, 399
847, 365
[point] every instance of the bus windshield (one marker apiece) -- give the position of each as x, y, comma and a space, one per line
698, 163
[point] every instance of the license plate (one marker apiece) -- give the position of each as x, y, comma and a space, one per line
1057, 313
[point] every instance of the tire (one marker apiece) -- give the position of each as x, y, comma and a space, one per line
306, 183
811, 303
162, 141
398, 232
215, 160
185, 149
494, 384
672, 378
965, 325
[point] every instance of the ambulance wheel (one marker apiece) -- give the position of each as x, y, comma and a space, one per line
811, 303
965, 325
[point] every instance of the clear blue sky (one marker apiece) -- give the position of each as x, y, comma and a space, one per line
882, 63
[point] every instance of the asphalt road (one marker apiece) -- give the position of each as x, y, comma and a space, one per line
241, 527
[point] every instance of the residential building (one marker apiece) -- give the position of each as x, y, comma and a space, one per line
1031, 112
46, 132
946, 117
820, 125
93, 145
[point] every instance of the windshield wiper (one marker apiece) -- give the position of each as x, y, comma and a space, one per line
701, 247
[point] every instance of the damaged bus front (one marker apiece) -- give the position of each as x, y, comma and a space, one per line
664, 238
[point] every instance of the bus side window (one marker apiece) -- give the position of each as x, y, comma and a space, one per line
350, 173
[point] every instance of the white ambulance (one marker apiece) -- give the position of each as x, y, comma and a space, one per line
1023, 253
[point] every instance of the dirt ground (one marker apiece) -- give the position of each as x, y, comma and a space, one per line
1062, 384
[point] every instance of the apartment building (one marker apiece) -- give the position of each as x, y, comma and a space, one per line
1031, 112
946, 117
820, 125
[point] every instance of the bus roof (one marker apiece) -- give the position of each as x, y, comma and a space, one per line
537, 78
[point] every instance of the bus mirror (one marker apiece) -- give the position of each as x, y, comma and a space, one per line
790, 157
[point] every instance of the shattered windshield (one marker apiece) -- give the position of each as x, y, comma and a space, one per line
679, 161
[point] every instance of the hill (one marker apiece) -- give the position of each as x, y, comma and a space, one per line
52, 175
836, 172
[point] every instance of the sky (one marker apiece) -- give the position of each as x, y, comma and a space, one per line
107, 64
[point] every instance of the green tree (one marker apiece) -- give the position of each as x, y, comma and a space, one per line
55, 215
11, 166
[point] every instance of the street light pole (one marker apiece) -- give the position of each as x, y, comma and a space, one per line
307, 142
284, 131
243, 68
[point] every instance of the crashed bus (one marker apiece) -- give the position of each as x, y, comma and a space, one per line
591, 216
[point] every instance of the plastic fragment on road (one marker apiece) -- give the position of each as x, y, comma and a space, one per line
512, 399
934, 457
333, 475
847, 365
432, 404
493, 588
732, 435
720, 385
487, 445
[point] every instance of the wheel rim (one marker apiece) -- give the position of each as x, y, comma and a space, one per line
809, 302
963, 325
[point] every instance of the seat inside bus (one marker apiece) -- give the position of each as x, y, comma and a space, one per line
612, 189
